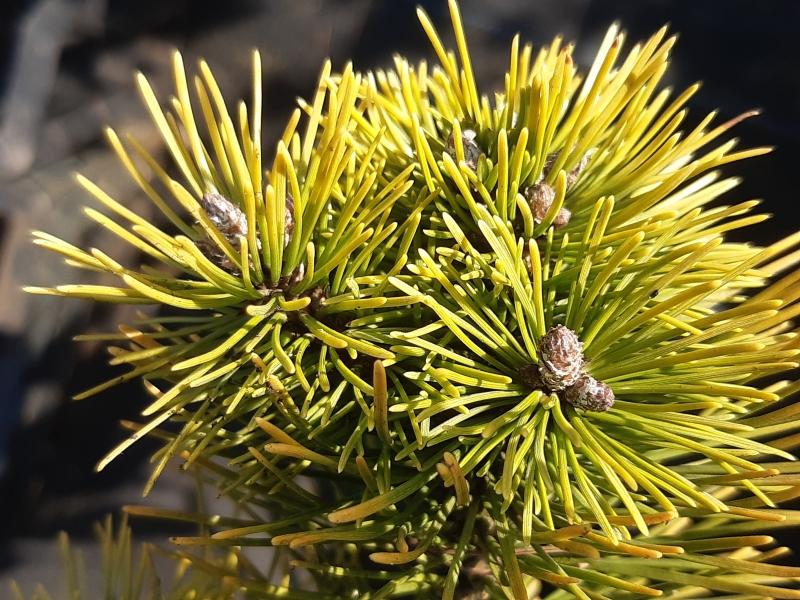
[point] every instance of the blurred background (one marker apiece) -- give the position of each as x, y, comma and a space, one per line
66, 70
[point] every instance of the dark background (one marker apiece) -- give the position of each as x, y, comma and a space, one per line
66, 69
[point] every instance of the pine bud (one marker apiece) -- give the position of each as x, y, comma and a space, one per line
472, 151
540, 196
560, 358
226, 216
590, 394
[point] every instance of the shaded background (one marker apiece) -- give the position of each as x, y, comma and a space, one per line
66, 70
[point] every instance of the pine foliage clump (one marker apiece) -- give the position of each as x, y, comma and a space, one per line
453, 343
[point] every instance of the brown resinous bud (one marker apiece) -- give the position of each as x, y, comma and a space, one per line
540, 196
231, 222
226, 216
590, 394
560, 358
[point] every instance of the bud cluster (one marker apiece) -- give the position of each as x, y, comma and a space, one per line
562, 369
540, 195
